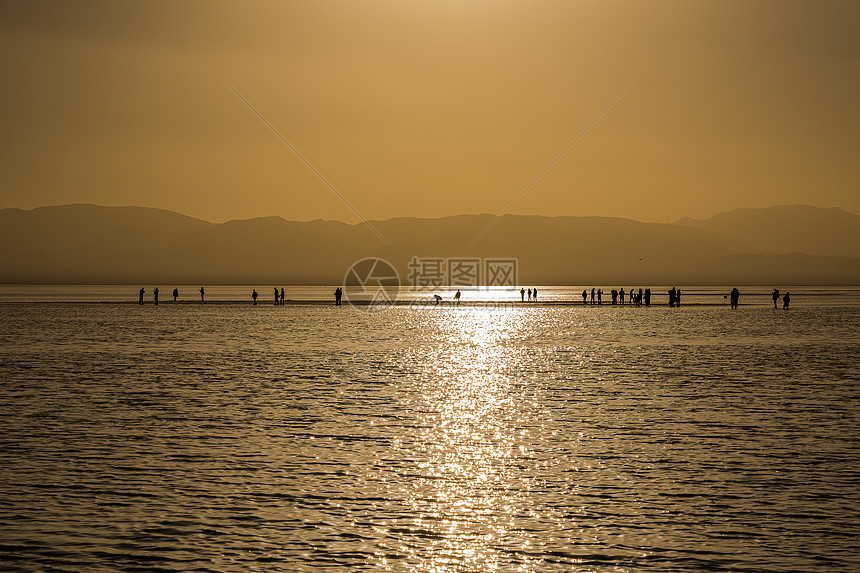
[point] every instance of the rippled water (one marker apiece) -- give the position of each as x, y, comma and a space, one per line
305, 438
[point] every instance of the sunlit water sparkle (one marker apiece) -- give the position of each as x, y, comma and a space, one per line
306, 438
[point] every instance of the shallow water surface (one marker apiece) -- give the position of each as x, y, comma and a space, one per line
306, 438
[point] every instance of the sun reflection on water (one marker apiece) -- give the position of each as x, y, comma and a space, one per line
477, 421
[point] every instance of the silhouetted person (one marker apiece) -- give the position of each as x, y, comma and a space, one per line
141, 295
282, 296
534, 294
733, 298
593, 292
457, 297
338, 294
438, 298
175, 294
523, 294
678, 298
621, 295
775, 296
254, 296
647, 297
672, 297
277, 296
530, 295
155, 296
584, 296
614, 293
785, 300
600, 296
202, 292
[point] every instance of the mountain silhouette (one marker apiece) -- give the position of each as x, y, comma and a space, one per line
788, 229
82, 244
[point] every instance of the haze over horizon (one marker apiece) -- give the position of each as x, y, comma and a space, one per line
431, 110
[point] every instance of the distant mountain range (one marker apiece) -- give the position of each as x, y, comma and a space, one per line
89, 244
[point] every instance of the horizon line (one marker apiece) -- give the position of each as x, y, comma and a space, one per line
400, 217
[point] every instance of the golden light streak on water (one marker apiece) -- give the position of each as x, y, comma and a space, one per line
474, 419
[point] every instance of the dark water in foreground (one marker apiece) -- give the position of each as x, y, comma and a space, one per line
305, 438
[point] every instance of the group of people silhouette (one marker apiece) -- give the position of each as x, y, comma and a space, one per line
735, 296
532, 293
786, 298
674, 297
619, 296
175, 295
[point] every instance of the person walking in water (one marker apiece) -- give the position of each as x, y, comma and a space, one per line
457, 297
734, 297
155, 295
785, 300
141, 295
522, 294
254, 296
175, 294
202, 292
775, 296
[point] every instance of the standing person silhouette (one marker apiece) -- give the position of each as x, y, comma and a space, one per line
534, 294
733, 299
678, 298
600, 296
141, 295
254, 296
202, 292
775, 296
175, 294
584, 296
457, 297
593, 292
155, 295
785, 300
338, 293
522, 294
282, 296
621, 295
277, 297
647, 297
530, 295
672, 297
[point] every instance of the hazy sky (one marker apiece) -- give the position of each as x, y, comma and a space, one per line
431, 108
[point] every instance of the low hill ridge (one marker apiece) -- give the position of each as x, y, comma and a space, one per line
95, 244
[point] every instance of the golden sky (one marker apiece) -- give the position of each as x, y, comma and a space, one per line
431, 108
